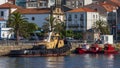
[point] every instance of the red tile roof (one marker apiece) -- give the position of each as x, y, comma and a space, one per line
1, 19
34, 11
82, 10
116, 2
8, 5
108, 7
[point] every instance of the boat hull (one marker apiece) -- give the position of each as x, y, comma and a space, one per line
40, 52
81, 51
110, 52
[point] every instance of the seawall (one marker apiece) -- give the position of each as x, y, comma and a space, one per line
7, 48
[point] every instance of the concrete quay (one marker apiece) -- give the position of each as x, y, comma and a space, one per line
7, 48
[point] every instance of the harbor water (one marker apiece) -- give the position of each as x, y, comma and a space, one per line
71, 61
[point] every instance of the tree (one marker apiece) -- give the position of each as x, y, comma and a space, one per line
20, 25
69, 33
101, 26
27, 29
53, 24
50, 24
60, 28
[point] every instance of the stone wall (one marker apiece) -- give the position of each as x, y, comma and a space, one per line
6, 49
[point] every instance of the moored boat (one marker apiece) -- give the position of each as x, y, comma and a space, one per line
109, 49
51, 46
82, 49
95, 48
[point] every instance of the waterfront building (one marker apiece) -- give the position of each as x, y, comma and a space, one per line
117, 3
5, 10
77, 3
37, 16
57, 11
81, 20
36, 3
108, 13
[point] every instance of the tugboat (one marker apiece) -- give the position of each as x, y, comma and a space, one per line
52, 45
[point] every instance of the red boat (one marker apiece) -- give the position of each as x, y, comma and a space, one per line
81, 50
95, 48
110, 49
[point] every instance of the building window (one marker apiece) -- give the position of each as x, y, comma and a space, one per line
41, 4
96, 16
96, 9
57, 10
3, 25
58, 17
2, 13
45, 4
33, 18
93, 16
69, 18
75, 16
81, 17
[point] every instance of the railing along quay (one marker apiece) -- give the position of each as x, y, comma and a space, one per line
12, 42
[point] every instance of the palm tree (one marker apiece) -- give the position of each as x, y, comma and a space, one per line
60, 28
20, 25
50, 24
101, 26
53, 24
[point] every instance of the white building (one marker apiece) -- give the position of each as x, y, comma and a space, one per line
5, 33
108, 13
77, 3
5, 10
36, 4
3, 1
51, 3
37, 16
107, 39
81, 19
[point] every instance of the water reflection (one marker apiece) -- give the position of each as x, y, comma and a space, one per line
72, 61
55, 62
110, 62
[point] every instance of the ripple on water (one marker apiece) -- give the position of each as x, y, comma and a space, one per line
72, 61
